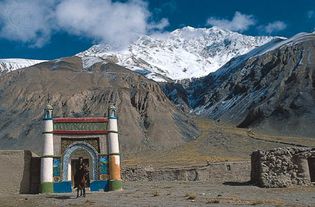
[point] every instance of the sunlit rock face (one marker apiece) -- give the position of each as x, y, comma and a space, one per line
271, 89
147, 119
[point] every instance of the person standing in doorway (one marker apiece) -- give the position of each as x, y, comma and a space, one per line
80, 177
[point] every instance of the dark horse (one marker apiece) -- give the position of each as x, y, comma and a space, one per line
80, 179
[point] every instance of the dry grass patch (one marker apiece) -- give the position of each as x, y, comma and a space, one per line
239, 201
213, 201
199, 152
156, 193
191, 196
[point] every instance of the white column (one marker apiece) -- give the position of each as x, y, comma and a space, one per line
113, 143
115, 182
46, 176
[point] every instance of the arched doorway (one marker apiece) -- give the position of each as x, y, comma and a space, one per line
67, 159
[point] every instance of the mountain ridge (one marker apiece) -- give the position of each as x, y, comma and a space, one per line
147, 118
271, 89
11, 64
182, 54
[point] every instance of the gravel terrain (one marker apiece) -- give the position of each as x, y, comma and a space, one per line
173, 194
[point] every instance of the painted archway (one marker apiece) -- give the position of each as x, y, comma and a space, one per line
72, 148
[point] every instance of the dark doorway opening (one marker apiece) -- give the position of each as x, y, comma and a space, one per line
311, 165
74, 167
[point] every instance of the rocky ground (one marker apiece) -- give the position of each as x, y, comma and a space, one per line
217, 143
174, 194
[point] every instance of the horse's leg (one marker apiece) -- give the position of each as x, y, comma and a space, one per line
83, 191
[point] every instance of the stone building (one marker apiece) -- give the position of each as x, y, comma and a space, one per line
283, 167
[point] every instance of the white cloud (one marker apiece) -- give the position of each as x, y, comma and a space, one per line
159, 25
239, 23
273, 27
29, 21
115, 23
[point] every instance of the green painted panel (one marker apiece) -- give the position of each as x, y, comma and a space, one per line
115, 185
80, 126
47, 187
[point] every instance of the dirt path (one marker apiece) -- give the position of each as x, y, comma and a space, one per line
173, 194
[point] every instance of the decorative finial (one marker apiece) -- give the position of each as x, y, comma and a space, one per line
48, 114
112, 106
112, 111
48, 99
49, 107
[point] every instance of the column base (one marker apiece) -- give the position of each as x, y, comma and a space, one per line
47, 187
115, 185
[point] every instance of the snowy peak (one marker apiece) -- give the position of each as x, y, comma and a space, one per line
11, 64
270, 87
182, 54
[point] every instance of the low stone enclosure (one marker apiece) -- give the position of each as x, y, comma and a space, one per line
20, 172
221, 172
283, 167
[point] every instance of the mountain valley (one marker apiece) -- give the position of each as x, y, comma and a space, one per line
262, 84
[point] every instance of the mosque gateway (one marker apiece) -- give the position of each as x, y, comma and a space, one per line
95, 139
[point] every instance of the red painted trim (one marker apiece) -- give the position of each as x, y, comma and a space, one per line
85, 119
83, 132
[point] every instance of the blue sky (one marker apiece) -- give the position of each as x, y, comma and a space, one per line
48, 29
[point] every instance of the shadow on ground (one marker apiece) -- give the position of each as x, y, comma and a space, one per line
61, 197
248, 183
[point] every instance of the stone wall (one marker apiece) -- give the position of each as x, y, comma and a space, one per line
20, 172
35, 175
213, 172
281, 167
15, 173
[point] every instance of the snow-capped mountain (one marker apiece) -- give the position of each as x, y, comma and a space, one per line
8, 65
182, 54
271, 88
